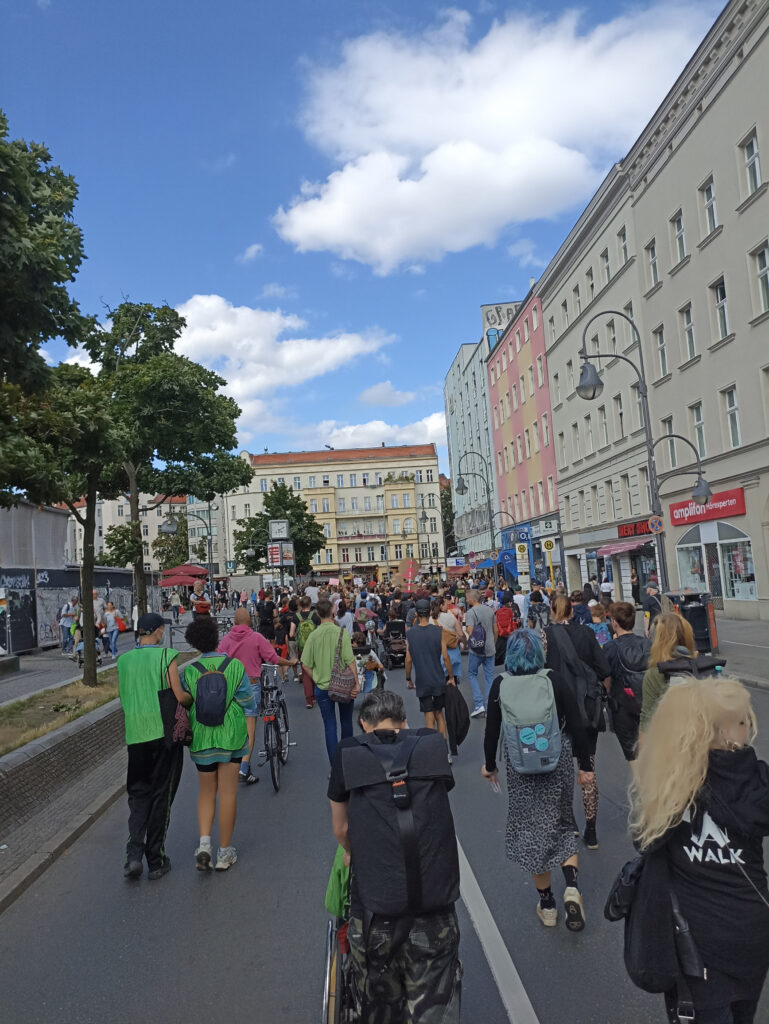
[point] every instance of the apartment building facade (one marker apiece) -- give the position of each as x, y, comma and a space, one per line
676, 240
116, 512
522, 442
376, 506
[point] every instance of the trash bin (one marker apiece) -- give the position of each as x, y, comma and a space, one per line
697, 608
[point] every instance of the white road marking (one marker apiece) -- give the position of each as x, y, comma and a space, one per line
737, 643
511, 991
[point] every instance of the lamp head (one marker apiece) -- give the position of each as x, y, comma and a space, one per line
249, 552
702, 492
423, 519
169, 526
590, 384
461, 487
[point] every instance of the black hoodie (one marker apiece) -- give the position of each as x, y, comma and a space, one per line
728, 920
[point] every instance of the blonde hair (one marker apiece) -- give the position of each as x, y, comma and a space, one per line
670, 631
673, 758
597, 612
561, 609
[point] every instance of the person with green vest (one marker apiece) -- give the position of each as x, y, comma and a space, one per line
154, 763
217, 750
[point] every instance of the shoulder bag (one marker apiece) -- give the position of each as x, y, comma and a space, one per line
343, 680
176, 721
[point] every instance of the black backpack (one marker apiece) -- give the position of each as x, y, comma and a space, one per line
401, 828
589, 688
211, 693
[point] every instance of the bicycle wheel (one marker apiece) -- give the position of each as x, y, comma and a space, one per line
282, 720
272, 750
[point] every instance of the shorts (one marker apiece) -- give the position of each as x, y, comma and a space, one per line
432, 702
293, 649
256, 689
215, 765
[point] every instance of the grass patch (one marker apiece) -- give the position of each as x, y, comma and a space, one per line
28, 719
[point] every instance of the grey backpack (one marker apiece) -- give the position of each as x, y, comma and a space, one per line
530, 722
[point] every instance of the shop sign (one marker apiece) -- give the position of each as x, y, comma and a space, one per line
639, 529
722, 505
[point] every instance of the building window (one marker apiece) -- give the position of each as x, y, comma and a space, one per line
628, 311
611, 337
496, 417
327, 530
398, 549
762, 275
247, 510
535, 435
522, 382
340, 504
531, 381
651, 256
590, 284
396, 526
526, 329
326, 505
433, 524
233, 512
540, 372
313, 506
627, 496
732, 416
534, 317
364, 478
570, 375
557, 389
516, 507
606, 266
367, 504
679, 239
311, 481
514, 393
619, 416
698, 428
281, 480
638, 405
577, 300
146, 549
719, 301
345, 554
622, 244
588, 434
527, 442
429, 476
499, 463
519, 444
545, 430
353, 504
687, 323
662, 356
611, 504
430, 501
575, 442
263, 484
603, 425
329, 556
353, 479
565, 313
644, 488
667, 426
145, 531
407, 501
708, 193
752, 165
551, 324
380, 502
120, 511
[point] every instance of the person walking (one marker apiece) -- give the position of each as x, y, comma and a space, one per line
442, 616
700, 807
635, 587
217, 751
673, 639
539, 834
652, 606
319, 655
267, 612
176, 603
345, 618
252, 650
628, 656
480, 617
67, 618
111, 627
427, 653
154, 762
606, 589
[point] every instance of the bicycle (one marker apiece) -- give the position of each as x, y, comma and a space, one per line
275, 716
341, 1002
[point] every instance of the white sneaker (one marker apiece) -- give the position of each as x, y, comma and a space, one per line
203, 857
478, 711
225, 857
547, 915
575, 909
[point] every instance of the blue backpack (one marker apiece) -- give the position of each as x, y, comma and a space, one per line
211, 693
530, 723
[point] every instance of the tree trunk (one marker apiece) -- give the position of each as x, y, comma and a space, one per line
140, 582
86, 583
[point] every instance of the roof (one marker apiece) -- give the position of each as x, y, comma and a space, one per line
332, 455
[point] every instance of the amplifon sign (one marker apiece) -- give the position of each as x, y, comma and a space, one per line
722, 505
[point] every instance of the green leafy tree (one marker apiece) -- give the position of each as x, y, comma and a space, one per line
174, 549
447, 520
41, 249
280, 502
121, 547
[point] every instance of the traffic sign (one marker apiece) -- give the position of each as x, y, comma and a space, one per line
548, 545
471, 556
656, 525
522, 549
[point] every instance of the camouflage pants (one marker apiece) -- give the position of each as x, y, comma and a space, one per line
422, 983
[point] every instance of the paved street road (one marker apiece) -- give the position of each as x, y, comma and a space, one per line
83, 946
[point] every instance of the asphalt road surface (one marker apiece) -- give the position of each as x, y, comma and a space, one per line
83, 946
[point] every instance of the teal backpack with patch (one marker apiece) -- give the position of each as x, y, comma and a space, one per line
530, 724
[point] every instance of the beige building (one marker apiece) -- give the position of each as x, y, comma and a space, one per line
375, 505
116, 512
676, 238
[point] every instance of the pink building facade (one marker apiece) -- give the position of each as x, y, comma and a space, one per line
523, 449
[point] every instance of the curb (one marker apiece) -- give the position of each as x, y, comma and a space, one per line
23, 877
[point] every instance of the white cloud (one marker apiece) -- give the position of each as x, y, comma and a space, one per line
81, 358
524, 251
431, 428
259, 351
440, 142
250, 253
219, 164
273, 290
386, 394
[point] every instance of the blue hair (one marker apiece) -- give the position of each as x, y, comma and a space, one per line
525, 653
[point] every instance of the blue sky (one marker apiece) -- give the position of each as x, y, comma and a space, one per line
329, 191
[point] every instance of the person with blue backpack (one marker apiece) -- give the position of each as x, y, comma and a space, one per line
221, 695
535, 710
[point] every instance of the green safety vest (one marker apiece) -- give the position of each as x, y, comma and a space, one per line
141, 672
232, 733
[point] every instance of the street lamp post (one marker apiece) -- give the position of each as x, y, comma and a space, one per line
590, 387
170, 526
461, 489
423, 521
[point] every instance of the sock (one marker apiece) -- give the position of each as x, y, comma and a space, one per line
245, 767
205, 840
546, 898
570, 873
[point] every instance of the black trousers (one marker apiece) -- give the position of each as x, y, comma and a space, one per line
625, 723
154, 771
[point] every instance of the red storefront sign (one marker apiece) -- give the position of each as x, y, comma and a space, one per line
722, 505
639, 529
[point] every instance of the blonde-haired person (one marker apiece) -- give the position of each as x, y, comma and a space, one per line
701, 795
672, 638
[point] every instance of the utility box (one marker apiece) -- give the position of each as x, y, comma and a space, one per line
697, 608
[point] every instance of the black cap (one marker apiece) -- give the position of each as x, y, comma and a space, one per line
149, 622
422, 606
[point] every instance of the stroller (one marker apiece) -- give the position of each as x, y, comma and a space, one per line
80, 651
394, 641
368, 664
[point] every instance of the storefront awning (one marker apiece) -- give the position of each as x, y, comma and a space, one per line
618, 547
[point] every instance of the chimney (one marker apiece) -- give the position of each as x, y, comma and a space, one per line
532, 282
383, 444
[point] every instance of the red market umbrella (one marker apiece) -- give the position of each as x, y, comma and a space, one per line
178, 581
188, 570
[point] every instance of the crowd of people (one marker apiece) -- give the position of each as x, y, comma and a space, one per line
549, 671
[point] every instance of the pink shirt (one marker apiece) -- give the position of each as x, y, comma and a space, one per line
250, 648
